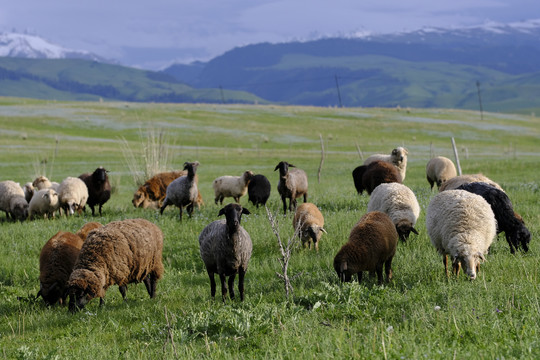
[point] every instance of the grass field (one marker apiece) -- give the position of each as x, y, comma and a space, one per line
420, 314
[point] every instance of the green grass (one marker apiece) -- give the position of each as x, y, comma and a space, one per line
495, 316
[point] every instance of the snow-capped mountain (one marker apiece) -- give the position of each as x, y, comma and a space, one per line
35, 47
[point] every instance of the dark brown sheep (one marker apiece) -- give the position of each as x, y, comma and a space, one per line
99, 188
56, 262
119, 253
368, 177
153, 191
372, 244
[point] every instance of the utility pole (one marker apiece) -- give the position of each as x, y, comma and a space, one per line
338, 92
222, 96
480, 100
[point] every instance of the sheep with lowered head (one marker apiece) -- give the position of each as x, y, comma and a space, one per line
457, 181
439, 170
99, 188
42, 182
399, 203
73, 195
231, 186
372, 245
461, 224
152, 193
368, 177
292, 184
44, 202
183, 191
13, 201
398, 157
56, 262
226, 248
119, 253
259, 190
308, 223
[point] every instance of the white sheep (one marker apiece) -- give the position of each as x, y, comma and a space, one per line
12, 200
72, 194
398, 157
399, 203
461, 224
439, 170
231, 186
42, 182
44, 202
308, 222
457, 181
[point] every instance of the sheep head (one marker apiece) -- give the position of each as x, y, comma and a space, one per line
41, 182
19, 208
83, 286
404, 229
233, 215
469, 262
522, 237
248, 175
398, 155
283, 167
100, 175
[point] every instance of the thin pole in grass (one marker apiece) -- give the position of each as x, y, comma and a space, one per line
457, 157
322, 159
286, 253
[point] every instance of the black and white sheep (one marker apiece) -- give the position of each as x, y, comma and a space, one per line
372, 245
183, 191
439, 170
73, 195
292, 184
398, 157
461, 224
226, 248
99, 188
44, 202
13, 201
308, 223
455, 182
231, 186
368, 177
119, 253
514, 229
399, 202
259, 190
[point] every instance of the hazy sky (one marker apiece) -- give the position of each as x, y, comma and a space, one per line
154, 33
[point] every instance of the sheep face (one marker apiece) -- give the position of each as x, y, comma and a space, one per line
404, 229
51, 294
19, 211
283, 167
82, 288
521, 237
469, 263
233, 214
100, 175
191, 167
399, 154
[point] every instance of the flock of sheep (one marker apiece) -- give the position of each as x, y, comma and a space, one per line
462, 221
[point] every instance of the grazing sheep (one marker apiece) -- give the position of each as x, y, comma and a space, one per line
231, 186
56, 262
514, 229
226, 249
308, 222
292, 184
368, 177
99, 188
153, 191
28, 189
399, 203
41, 182
45, 203
73, 195
439, 170
372, 244
13, 201
183, 190
398, 157
462, 225
119, 253
259, 190
457, 181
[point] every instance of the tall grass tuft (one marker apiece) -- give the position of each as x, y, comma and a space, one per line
42, 166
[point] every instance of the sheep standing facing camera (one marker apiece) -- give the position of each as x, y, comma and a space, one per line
292, 184
99, 188
44, 202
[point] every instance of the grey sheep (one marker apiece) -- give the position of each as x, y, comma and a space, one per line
398, 157
292, 184
183, 191
372, 245
308, 222
13, 201
226, 249
119, 253
439, 170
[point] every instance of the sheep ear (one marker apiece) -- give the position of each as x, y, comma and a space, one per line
291, 165
45, 195
414, 231
245, 211
481, 256
324, 231
277, 167
221, 212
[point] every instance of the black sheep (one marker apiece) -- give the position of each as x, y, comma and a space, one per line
259, 190
515, 231
99, 188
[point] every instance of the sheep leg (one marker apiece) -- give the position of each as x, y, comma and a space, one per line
150, 283
241, 274
180, 213
91, 208
512, 249
223, 286
165, 203
190, 209
305, 197
379, 270
445, 262
284, 200
231, 285
100, 206
101, 302
237, 199
123, 290
359, 277
388, 269
212, 283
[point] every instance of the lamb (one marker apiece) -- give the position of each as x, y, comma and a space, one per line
439, 170
56, 261
226, 248
13, 201
99, 188
259, 190
153, 191
399, 203
183, 190
462, 225
231, 186
372, 244
514, 229
368, 177
308, 223
119, 253
457, 181
73, 195
44, 202
292, 184
398, 157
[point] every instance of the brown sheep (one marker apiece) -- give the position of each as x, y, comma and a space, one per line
152, 192
308, 222
56, 262
119, 253
368, 177
292, 184
372, 244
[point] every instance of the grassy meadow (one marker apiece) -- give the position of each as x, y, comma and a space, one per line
420, 314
